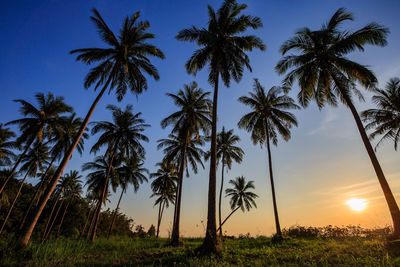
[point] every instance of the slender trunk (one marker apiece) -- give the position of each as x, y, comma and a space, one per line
54, 220
92, 220
28, 229
175, 229
211, 242
228, 217
103, 195
36, 194
271, 177
162, 212
220, 196
175, 206
63, 216
158, 220
84, 226
13, 203
50, 216
115, 214
391, 201
28, 145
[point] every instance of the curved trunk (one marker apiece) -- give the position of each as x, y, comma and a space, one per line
220, 196
62, 218
115, 215
162, 212
228, 217
50, 216
271, 177
86, 222
158, 220
13, 203
211, 242
46, 236
36, 193
175, 229
28, 145
92, 220
28, 229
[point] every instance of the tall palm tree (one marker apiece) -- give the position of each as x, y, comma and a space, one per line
325, 73
164, 188
36, 159
123, 136
121, 66
131, 172
268, 118
227, 151
6, 145
223, 46
192, 117
385, 119
241, 197
37, 123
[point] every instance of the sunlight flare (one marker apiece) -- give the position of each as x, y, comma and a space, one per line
357, 204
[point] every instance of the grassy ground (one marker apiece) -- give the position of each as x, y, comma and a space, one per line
260, 251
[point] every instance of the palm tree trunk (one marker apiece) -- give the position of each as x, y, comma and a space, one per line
86, 222
271, 177
211, 242
92, 220
53, 221
28, 145
175, 229
63, 216
115, 215
36, 193
51, 215
158, 220
13, 203
27, 231
161, 215
220, 196
228, 217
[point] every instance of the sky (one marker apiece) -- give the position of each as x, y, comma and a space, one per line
316, 172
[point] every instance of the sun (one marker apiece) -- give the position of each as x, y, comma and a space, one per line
357, 204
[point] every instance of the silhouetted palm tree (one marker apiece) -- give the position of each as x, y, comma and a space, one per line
325, 74
121, 66
6, 145
192, 117
131, 172
37, 123
226, 153
241, 197
268, 118
164, 188
385, 120
223, 46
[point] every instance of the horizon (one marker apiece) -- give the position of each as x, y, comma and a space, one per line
321, 167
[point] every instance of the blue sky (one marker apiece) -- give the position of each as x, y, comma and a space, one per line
316, 171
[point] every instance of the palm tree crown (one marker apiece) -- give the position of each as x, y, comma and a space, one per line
385, 120
240, 194
6, 154
164, 183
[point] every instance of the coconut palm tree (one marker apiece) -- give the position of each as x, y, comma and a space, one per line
385, 119
192, 117
121, 67
164, 188
227, 151
325, 74
37, 123
122, 136
131, 172
268, 118
36, 159
223, 46
6, 145
241, 197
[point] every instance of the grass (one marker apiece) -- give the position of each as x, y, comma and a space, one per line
261, 251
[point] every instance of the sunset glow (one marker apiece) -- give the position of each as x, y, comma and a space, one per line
357, 204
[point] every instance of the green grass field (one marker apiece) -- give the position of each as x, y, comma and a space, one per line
260, 251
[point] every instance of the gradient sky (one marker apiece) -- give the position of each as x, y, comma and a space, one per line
322, 166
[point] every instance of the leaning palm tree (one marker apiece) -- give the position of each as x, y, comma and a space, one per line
121, 66
241, 197
192, 117
38, 123
223, 46
227, 152
35, 160
385, 120
123, 136
131, 172
6, 145
268, 118
325, 74
164, 188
